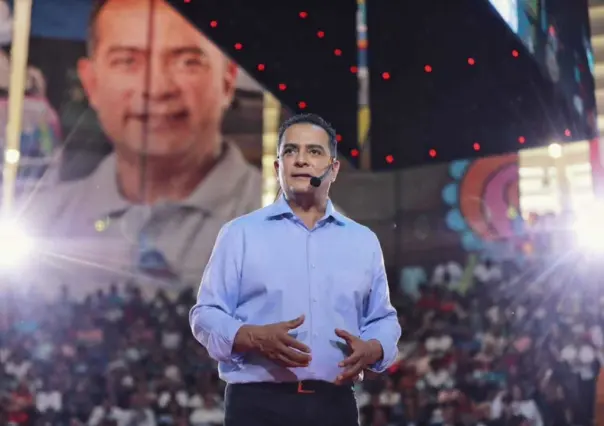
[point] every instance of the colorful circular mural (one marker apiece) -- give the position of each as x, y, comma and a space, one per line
484, 200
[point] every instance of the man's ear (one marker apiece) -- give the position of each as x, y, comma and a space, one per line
87, 76
335, 169
276, 166
230, 82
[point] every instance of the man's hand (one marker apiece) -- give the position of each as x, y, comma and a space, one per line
363, 354
274, 342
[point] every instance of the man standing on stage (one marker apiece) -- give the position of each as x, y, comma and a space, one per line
297, 258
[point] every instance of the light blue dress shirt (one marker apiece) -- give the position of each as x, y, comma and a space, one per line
268, 267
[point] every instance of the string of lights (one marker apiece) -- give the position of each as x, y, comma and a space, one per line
446, 82
451, 82
302, 52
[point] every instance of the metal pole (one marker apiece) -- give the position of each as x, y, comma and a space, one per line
363, 111
18, 75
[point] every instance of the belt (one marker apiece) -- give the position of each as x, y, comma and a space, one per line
303, 387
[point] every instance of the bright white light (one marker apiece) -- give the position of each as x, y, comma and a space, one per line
11, 156
555, 150
15, 244
589, 228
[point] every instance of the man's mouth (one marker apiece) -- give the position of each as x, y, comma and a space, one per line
302, 175
162, 120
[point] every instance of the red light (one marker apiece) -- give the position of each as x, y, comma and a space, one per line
471, 61
389, 159
320, 34
213, 24
337, 52
428, 68
567, 133
476, 146
282, 86
353, 69
303, 15
515, 53
339, 138
521, 139
432, 153
301, 104
187, 1
354, 152
238, 46
261, 67
386, 75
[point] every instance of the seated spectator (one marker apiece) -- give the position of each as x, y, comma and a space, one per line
209, 414
106, 412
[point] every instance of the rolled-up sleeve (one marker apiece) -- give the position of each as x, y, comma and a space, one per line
212, 319
380, 320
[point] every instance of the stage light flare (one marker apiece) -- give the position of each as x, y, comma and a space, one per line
15, 244
555, 150
589, 227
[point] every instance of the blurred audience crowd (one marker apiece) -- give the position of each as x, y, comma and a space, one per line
112, 359
515, 346
494, 345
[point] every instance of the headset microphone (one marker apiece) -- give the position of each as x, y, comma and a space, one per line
316, 181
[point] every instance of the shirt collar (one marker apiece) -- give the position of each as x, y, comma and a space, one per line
216, 188
280, 209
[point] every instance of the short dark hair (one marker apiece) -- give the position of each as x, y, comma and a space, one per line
311, 119
92, 40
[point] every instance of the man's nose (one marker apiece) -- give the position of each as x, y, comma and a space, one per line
160, 83
301, 160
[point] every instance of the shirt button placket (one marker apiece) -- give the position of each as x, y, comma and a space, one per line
311, 270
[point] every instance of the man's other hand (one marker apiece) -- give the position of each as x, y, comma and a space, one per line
362, 354
274, 342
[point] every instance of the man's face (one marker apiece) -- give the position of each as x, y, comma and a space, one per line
166, 96
304, 153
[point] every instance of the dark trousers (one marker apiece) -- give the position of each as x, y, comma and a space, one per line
311, 403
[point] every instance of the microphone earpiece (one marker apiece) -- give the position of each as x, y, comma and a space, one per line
315, 181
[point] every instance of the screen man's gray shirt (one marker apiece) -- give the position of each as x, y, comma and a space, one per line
87, 232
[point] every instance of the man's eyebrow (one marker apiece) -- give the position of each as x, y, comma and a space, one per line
309, 146
194, 50
136, 49
124, 49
